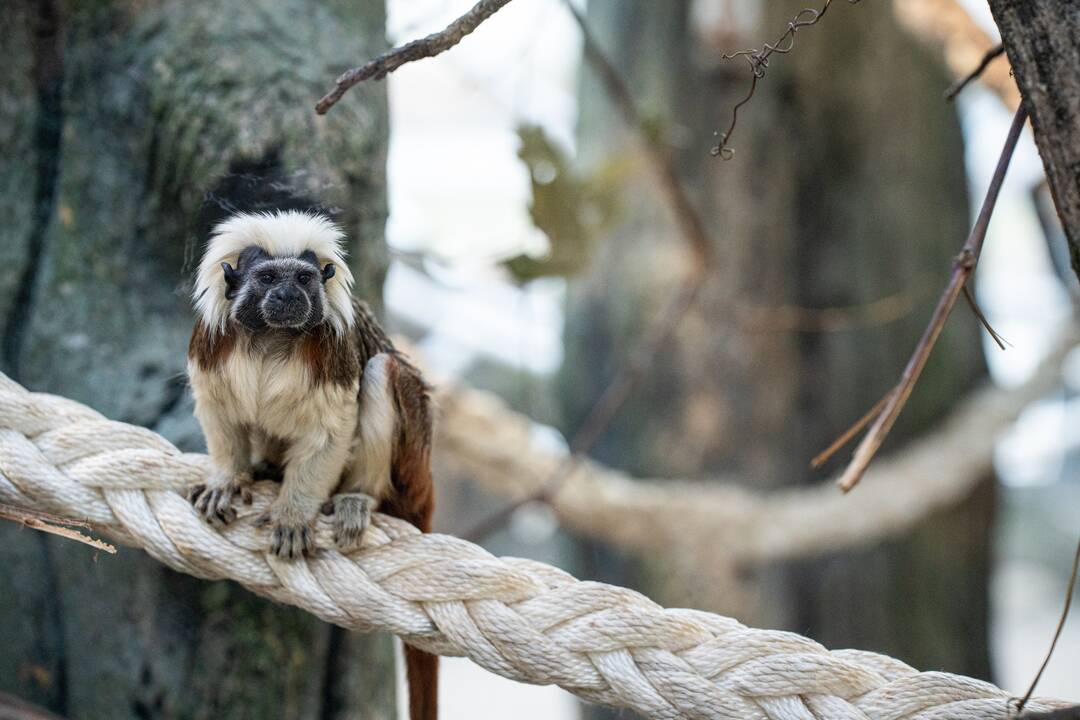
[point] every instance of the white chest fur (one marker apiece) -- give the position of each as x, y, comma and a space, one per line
275, 395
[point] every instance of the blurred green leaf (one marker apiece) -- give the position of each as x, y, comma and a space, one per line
571, 210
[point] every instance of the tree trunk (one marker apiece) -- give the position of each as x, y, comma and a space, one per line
1042, 39
117, 117
843, 190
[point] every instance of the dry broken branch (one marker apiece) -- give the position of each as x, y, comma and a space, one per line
426, 47
53, 524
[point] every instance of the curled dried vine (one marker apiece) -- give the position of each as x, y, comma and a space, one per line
758, 59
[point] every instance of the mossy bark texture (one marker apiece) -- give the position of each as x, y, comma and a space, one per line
116, 117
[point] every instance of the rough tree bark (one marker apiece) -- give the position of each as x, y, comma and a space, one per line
1042, 39
115, 118
843, 190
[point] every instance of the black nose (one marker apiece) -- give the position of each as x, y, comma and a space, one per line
286, 295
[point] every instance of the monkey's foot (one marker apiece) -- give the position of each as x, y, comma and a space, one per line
291, 536
351, 516
214, 499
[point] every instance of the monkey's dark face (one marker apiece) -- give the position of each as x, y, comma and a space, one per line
277, 292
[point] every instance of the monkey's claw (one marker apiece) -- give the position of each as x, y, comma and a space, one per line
292, 542
291, 533
351, 517
214, 500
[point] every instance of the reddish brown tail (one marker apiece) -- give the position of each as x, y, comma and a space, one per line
413, 500
422, 670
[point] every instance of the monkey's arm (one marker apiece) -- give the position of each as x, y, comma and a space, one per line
313, 467
229, 446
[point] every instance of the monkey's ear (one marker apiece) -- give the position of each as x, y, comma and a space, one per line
328, 272
232, 280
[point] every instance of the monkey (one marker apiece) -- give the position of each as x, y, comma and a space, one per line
294, 377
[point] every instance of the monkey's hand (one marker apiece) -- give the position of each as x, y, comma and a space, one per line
214, 499
291, 534
351, 515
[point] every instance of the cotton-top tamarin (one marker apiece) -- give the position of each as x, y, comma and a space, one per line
294, 377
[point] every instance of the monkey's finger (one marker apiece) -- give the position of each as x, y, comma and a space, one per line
195, 491
276, 541
263, 520
203, 503
245, 495
223, 506
293, 549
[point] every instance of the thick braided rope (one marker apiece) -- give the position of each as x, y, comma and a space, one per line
521, 619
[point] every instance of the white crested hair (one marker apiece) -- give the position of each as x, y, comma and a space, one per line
282, 234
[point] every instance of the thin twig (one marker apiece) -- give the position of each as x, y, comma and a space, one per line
426, 47
1001, 342
963, 82
963, 267
631, 373
758, 59
53, 524
792, 318
1057, 632
822, 457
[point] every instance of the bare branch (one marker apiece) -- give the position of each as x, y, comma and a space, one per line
958, 87
426, 47
1057, 632
758, 59
54, 525
963, 267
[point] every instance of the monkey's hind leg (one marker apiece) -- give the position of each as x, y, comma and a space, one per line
230, 453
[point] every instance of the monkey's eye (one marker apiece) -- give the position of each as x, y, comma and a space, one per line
303, 278
266, 278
